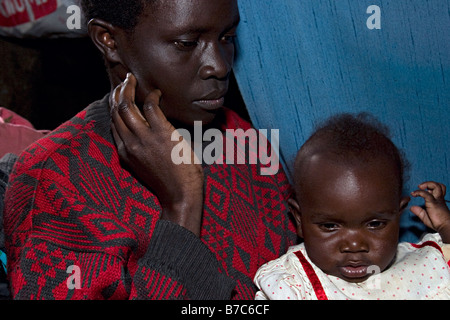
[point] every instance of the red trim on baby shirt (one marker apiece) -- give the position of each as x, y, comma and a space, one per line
312, 276
431, 244
427, 243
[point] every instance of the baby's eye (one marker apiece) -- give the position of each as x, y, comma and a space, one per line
376, 224
329, 226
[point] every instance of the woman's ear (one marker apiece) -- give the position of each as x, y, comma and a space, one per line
104, 34
294, 208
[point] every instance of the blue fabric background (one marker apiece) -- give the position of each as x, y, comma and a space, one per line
300, 61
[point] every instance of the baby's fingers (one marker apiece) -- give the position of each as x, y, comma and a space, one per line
422, 215
436, 189
427, 195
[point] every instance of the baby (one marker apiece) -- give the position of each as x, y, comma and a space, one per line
348, 185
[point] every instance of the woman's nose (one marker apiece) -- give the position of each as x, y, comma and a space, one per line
217, 62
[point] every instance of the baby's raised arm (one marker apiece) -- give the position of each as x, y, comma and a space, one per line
436, 214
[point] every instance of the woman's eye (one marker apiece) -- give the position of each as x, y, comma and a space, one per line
186, 44
229, 38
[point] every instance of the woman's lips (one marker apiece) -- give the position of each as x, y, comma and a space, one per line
210, 104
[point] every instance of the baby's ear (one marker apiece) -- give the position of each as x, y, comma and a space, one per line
294, 208
404, 203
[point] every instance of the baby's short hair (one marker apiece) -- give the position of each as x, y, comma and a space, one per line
355, 139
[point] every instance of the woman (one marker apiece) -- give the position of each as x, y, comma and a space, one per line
100, 195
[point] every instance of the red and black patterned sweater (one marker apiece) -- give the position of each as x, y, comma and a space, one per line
71, 203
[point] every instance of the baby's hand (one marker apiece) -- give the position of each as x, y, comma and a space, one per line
436, 214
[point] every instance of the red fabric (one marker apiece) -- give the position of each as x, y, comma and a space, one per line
16, 133
312, 276
427, 243
72, 203
13, 13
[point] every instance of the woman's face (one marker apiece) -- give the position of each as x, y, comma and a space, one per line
184, 48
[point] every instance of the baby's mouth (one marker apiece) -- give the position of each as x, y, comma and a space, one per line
355, 271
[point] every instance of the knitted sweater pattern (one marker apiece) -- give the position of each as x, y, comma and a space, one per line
80, 226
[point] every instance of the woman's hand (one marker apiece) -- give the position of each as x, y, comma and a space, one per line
144, 142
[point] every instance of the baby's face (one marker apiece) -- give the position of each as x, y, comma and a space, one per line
349, 216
